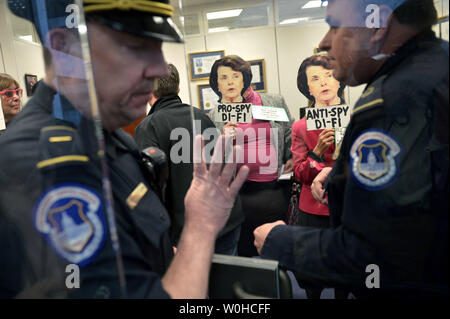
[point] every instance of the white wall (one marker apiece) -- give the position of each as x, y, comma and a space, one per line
2, 65
283, 50
295, 44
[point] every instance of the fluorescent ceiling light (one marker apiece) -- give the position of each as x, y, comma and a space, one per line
26, 37
222, 29
295, 20
223, 14
315, 4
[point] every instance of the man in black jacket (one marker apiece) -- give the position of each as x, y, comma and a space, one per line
388, 190
169, 127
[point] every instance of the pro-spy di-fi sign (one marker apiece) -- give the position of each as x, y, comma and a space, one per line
234, 112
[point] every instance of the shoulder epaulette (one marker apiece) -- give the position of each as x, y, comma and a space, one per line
58, 147
371, 98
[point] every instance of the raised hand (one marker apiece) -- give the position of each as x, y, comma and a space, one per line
211, 196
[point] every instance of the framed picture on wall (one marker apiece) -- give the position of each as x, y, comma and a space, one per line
200, 63
259, 75
206, 97
30, 81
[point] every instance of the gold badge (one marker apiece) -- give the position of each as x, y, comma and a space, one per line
136, 196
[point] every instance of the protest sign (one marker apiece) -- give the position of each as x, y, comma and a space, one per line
319, 118
234, 112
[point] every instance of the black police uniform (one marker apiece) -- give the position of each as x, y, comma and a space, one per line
42, 154
388, 190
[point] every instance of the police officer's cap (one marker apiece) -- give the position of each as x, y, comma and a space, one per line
144, 18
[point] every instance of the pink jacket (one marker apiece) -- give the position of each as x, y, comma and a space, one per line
307, 165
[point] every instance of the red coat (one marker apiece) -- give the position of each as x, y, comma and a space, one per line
307, 166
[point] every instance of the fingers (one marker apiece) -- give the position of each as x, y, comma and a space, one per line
199, 162
261, 232
229, 169
317, 186
239, 180
217, 159
317, 191
231, 124
329, 140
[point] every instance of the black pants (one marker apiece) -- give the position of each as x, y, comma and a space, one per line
262, 203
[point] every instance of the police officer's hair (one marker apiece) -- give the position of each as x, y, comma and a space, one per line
420, 14
168, 85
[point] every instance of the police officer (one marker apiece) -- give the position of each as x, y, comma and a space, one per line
79, 213
388, 190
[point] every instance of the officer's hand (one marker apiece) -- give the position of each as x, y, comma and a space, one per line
261, 233
211, 197
317, 186
326, 139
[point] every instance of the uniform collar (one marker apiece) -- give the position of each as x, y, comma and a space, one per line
403, 52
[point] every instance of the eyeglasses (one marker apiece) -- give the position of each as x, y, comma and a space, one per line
10, 93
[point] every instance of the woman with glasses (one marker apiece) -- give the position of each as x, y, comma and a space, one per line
10, 94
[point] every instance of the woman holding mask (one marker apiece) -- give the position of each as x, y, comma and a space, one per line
10, 94
313, 150
265, 144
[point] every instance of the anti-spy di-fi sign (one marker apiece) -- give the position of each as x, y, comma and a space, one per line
238, 113
319, 118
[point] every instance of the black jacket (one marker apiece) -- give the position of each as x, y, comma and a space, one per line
168, 126
388, 190
53, 210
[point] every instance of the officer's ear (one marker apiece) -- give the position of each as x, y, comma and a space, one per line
385, 16
59, 40
65, 48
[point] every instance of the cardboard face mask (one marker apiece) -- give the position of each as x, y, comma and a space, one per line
230, 84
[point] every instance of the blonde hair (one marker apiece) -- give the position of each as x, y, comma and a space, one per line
6, 81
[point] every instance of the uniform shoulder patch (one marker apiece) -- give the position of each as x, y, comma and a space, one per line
374, 160
70, 218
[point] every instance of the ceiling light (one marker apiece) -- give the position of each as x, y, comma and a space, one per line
222, 29
26, 37
292, 21
223, 14
315, 4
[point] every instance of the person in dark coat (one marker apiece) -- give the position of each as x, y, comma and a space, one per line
388, 190
169, 127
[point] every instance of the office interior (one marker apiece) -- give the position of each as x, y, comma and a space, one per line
281, 32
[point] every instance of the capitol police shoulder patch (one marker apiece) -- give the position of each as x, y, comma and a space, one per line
71, 219
374, 160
